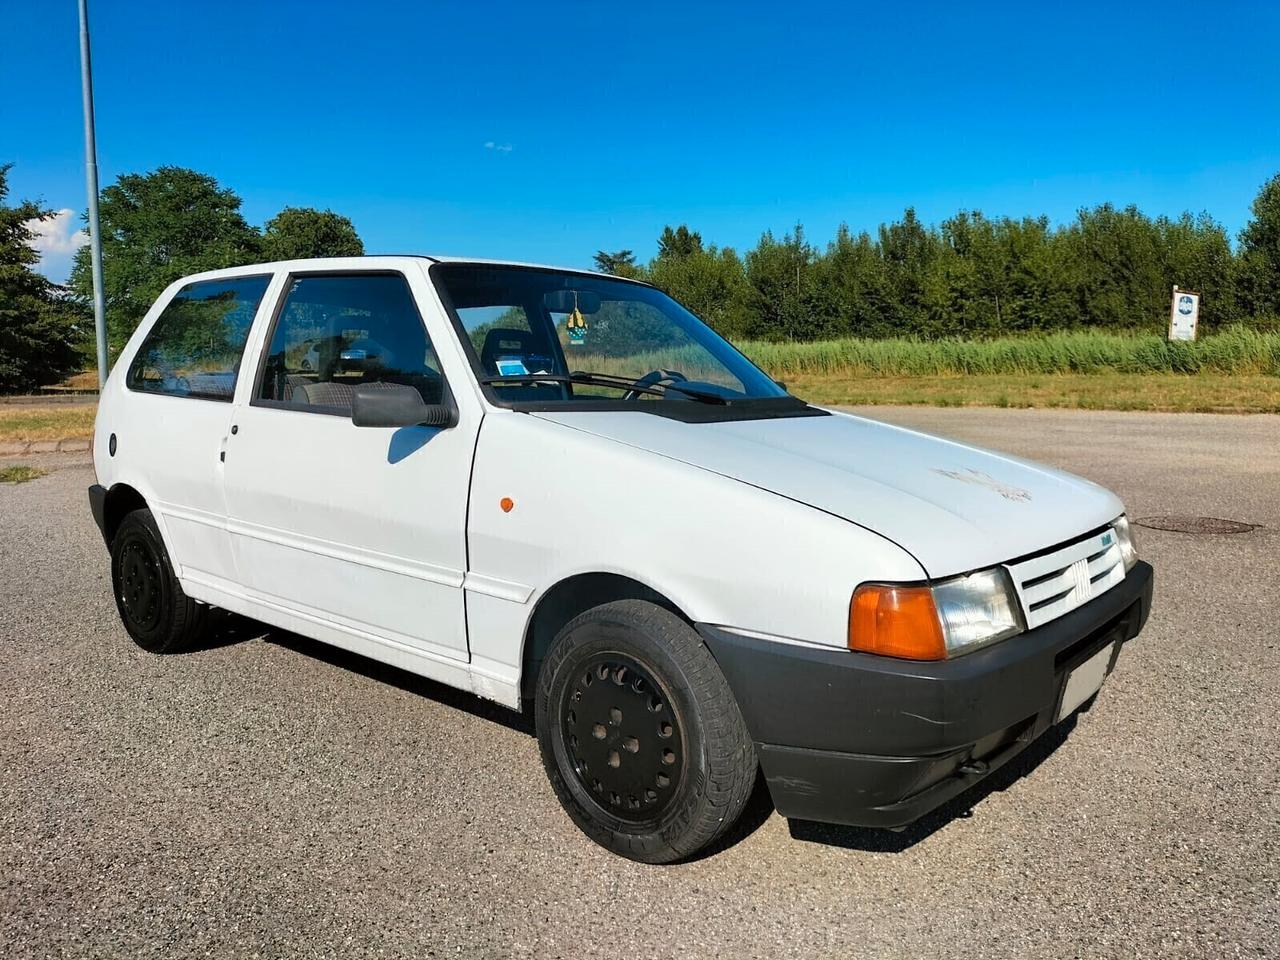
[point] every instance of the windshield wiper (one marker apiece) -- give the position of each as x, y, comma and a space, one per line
606, 380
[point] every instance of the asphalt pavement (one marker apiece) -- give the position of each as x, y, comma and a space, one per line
269, 796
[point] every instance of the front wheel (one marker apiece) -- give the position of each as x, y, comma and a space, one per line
640, 734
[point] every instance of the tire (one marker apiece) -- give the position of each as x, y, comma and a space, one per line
640, 734
155, 612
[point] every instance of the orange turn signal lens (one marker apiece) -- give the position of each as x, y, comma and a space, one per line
896, 621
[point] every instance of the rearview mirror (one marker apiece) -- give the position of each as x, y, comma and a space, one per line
564, 301
379, 407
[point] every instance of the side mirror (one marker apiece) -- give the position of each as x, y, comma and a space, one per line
374, 407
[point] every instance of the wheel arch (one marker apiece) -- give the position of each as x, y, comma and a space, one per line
121, 499
567, 599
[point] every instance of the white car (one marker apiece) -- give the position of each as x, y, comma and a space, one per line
561, 491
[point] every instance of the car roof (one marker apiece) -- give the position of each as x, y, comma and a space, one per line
372, 261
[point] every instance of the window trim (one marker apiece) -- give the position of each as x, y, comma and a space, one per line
446, 392
244, 347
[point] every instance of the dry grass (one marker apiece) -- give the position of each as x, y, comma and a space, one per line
85, 380
61, 421
1168, 392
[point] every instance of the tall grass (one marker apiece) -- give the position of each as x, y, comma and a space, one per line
1236, 350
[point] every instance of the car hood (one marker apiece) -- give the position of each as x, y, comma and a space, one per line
954, 507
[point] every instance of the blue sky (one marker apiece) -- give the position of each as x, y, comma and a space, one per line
544, 133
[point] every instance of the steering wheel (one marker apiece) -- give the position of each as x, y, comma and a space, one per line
652, 379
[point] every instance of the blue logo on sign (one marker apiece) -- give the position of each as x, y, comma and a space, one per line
1185, 304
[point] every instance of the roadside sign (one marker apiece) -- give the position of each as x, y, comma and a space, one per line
1184, 314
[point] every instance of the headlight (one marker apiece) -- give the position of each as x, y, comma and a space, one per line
935, 622
1128, 546
976, 610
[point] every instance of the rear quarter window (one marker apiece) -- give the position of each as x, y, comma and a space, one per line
196, 345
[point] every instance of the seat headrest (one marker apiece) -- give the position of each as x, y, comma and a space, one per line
505, 342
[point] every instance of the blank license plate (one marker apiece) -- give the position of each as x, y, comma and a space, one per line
1085, 680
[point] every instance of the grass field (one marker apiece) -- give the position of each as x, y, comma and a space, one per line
1164, 392
1235, 351
23, 422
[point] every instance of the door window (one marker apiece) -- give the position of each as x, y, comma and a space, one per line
336, 333
196, 344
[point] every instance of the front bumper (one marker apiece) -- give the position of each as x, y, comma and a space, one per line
847, 737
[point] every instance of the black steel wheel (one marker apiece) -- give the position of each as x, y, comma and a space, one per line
140, 588
624, 738
640, 734
155, 612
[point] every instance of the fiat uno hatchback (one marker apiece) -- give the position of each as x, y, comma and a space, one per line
563, 492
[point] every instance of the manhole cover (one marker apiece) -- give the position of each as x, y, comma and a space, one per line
1196, 524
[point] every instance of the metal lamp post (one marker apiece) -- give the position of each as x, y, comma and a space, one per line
91, 184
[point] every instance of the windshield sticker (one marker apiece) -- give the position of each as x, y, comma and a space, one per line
511, 367
969, 475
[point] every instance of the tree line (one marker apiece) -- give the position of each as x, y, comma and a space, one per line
972, 276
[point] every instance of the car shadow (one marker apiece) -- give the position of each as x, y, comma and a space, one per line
229, 628
401, 679
226, 628
879, 840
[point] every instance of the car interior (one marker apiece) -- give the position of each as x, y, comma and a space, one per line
326, 345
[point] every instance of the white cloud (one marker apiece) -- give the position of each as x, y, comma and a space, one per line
499, 147
58, 234
57, 238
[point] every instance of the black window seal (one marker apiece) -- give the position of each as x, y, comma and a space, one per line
446, 391
207, 397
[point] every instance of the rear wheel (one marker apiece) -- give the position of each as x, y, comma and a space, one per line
640, 734
156, 613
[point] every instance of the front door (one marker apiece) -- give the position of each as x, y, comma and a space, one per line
357, 528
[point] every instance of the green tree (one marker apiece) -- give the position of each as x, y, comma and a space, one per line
1120, 281
297, 233
1196, 255
620, 263
910, 251
787, 298
854, 281
38, 329
680, 242
1260, 253
156, 228
711, 282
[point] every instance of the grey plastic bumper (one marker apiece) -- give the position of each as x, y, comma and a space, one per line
847, 737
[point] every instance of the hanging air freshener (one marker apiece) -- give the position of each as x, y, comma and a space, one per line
576, 324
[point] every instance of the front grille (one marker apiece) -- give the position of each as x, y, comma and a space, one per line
1056, 582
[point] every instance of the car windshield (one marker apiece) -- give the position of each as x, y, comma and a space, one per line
546, 336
